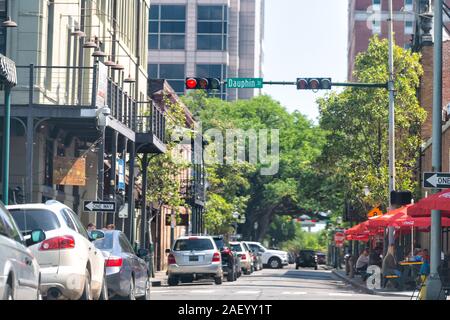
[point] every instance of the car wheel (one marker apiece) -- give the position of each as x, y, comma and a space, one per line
87, 294
247, 272
132, 293
315, 267
104, 294
8, 293
146, 296
218, 280
275, 263
172, 281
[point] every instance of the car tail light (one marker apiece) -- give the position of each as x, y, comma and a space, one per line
57, 243
216, 257
243, 257
114, 262
171, 259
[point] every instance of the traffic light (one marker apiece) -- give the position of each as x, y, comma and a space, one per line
203, 83
314, 83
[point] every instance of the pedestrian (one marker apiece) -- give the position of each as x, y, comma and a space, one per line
363, 262
91, 227
110, 227
375, 257
389, 266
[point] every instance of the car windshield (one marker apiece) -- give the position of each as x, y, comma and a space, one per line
219, 243
105, 243
193, 245
32, 219
236, 247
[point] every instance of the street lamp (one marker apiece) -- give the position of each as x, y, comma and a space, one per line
9, 83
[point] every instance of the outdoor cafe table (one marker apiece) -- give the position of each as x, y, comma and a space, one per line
410, 271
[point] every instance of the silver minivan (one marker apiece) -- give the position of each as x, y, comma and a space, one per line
193, 258
19, 270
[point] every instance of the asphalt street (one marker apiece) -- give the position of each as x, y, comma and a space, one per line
269, 284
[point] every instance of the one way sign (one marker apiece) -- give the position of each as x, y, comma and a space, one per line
436, 180
99, 206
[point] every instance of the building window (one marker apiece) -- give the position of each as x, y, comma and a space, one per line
212, 27
213, 71
173, 73
167, 27
3, 16
376, 5
409, 27
408, 5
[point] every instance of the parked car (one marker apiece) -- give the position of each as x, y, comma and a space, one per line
71, 267
275, 259
193, 258
291, 258
127, 274
19, 269
244, 255
306, 259
228, 259
321, 258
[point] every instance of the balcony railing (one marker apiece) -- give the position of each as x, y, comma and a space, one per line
152, 121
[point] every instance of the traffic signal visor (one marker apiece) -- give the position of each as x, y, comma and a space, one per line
203, 83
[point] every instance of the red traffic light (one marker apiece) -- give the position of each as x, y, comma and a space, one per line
191, 83
302, 84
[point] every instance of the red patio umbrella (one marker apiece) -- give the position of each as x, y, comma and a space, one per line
438, 201
417, 222
384, 220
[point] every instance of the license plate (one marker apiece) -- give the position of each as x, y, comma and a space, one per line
193, 258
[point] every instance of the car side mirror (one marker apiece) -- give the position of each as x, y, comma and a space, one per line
141, 253
167, 250
96, 235
36, 236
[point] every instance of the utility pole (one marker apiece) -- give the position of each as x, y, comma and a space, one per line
391, 116
433, 282
6, 143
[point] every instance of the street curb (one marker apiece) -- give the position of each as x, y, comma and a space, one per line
355, 284
362, 287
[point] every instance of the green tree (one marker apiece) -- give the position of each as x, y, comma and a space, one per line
356, 121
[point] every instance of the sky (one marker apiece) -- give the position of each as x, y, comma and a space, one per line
304, 38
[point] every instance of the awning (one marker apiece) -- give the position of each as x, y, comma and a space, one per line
438, 201
417, 222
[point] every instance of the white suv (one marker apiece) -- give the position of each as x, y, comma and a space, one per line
274, 258
71, 266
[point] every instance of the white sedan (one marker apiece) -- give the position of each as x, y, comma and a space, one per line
71, 266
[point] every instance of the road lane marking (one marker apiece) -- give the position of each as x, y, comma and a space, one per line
295, 293
247, 292
202, 291
162, 291
340, 294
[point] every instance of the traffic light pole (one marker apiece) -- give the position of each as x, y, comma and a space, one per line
433, 283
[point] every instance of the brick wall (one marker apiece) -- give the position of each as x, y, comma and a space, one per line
426, 101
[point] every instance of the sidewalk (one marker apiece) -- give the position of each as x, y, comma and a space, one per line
358, 283
160, 279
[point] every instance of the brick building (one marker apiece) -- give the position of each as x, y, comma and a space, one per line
369, 17
426, 100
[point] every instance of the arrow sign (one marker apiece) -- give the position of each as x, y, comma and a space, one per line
439, 180
99, 206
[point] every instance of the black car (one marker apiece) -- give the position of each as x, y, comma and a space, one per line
321, 258
127, 274
229, 263
306, 259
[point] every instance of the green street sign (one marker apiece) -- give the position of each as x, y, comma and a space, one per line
245, 83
